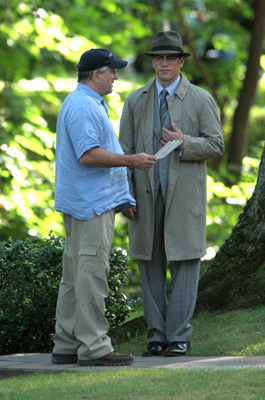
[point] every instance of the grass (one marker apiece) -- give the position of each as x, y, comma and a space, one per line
238, 332
232, 333
127, 384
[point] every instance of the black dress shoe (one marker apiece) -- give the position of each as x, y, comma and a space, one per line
154, 349
177, 349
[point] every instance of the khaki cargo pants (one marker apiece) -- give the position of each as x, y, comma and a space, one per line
81, 327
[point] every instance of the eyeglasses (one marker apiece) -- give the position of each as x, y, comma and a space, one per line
169, 59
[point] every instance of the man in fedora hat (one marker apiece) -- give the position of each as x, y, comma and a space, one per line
168, 224
91, 185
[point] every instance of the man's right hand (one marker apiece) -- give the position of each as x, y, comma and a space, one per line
99, 157
143, 161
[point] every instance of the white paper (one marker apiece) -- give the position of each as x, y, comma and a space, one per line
165, 150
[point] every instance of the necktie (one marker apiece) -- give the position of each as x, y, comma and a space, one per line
163, 106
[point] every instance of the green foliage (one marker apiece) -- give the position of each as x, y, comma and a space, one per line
118, 306
30, 276
225, 203
30, 273
40, 44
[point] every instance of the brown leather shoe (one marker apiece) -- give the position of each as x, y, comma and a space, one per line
58, 358
113, 358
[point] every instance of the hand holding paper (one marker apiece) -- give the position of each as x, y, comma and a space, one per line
174, 134
170, 146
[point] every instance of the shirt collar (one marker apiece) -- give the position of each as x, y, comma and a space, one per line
93, 94
171, 88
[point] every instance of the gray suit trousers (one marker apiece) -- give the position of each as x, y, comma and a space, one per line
167, 321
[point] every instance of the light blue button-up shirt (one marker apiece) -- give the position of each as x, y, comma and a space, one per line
81, 189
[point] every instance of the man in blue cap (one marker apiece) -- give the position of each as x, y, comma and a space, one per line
91, 185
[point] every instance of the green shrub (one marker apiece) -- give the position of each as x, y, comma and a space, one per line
118, 306
30, 275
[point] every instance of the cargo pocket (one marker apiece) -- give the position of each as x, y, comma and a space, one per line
89, 262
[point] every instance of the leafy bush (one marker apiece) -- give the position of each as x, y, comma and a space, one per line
30, 275
118, 306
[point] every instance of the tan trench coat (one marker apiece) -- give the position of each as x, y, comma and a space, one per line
193, 110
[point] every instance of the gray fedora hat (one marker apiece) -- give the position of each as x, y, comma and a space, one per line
168, 42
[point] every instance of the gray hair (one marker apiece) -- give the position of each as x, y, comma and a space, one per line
85, 76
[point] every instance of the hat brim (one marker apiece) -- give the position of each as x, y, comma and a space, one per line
118, 64
160, 52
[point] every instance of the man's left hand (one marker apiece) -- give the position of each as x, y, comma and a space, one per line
168, 136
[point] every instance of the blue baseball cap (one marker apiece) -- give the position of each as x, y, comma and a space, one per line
97, 58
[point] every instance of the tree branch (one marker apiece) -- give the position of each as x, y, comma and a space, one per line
197, 60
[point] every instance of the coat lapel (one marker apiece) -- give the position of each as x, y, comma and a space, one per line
147, 118
175, 110
147, 124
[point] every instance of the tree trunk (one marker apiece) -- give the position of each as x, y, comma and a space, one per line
238, 139
236, 277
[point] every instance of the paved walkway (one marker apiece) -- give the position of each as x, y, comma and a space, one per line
18, 364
